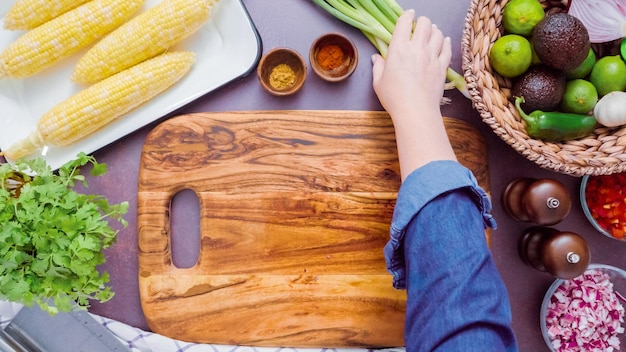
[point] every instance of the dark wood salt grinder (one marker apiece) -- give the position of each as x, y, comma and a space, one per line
541, 201
565, 255
545, 202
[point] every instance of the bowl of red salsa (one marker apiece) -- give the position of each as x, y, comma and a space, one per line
603, 199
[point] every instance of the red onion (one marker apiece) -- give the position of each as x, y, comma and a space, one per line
584, 314
605, 20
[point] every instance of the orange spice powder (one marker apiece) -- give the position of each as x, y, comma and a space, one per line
330, 56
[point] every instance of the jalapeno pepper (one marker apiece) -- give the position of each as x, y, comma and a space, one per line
556, 126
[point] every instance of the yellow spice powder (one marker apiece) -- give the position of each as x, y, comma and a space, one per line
282, 77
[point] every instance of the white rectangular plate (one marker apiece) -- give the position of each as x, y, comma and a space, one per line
226, 47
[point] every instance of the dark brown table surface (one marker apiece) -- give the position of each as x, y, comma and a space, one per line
296, 23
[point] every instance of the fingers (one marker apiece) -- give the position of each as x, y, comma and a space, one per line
378, 64
428, 35
446, 52
403, 29
422, 31
421, 35
435, 41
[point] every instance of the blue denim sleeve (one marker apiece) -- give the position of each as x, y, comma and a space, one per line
456, 300
419, 188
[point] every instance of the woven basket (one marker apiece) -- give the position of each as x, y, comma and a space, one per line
602, 153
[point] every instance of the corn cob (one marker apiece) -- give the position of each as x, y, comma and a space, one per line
149, 34
28, 14
63, 36
94, 107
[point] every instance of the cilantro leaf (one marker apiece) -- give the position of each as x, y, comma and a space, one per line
53, 235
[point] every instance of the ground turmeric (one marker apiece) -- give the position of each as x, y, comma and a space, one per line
330, 56
282, 77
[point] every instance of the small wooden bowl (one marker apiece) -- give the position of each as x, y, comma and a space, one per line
278, 56
348, 63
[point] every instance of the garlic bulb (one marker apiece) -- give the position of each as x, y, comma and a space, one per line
605, 20
610, 110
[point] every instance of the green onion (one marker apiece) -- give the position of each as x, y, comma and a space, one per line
377, 19
456, 80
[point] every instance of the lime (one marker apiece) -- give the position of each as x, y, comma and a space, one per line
535, 60
583, 69
580, 97
609, 74
521, 16
510, 55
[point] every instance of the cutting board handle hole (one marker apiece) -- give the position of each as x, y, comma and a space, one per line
184, 229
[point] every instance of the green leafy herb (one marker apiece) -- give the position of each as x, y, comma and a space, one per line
53, 236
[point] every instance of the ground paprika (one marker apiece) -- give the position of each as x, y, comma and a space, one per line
330, 56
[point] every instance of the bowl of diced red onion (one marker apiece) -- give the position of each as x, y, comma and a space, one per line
603, 200
586, 313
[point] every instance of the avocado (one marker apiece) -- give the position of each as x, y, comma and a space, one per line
542, 88
561, 41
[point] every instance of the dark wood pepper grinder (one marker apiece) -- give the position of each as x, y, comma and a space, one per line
544, 202
565, 255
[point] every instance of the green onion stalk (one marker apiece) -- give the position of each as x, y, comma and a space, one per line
376, 19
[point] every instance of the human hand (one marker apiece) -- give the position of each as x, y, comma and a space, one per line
409, 84
412, 76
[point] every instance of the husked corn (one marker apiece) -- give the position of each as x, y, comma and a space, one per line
149, 34
63, 36
28, 14
96, 106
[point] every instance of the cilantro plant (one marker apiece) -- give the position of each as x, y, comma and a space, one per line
52, 237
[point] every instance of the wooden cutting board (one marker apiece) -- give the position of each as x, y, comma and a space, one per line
295, 208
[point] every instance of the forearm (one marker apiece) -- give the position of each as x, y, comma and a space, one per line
420, 139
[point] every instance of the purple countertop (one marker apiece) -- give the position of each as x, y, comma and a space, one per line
296, 24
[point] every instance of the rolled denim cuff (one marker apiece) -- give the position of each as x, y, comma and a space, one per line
417, 190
